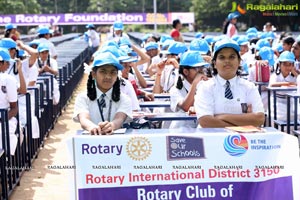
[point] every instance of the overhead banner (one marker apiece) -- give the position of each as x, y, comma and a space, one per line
261, 166
95, 18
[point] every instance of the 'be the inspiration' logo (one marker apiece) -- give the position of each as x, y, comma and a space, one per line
236, 145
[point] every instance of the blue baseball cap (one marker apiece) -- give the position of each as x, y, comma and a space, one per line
34, 42
235, 37
21, 53
43, 30
209, 39
166, 44
266, 53
118, 25
111, 49
164, 38
233, 15
125, 58
226, 43
111, 43
8, 43
287, 56
251, 35
5, 56
151, 45
90, 26
251, 30
279, 47
106, 58
243, 40
176, 48
43, 47
145, 37
192, 59
10, 26
262, 43
199, 35
199, 45
124, 41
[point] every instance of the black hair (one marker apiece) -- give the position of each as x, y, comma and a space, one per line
42, 35
288, 40
91, 88
175, 22
7, 33
179, 84
214, 71
225, 26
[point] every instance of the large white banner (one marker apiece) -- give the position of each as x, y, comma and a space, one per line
260, 166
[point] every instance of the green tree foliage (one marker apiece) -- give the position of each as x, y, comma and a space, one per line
19, 6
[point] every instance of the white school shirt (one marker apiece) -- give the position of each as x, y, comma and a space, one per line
52, 49
281, 102
210, 97
94, 39
29, 73
84, 105
128, 89
168, 77
8, 93
177, 95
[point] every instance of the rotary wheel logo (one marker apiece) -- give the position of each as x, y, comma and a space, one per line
138, 148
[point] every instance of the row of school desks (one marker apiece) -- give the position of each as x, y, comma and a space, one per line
289, 93
72, 53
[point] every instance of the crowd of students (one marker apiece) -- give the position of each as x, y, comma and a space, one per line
21, 64
213, 77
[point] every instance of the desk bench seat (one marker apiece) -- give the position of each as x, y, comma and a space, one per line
282, 124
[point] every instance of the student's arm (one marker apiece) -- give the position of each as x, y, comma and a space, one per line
157, 88
255, 119
209, 121
87, 124
144, 57
22, 89
32, 52
139, 76
189, 99
13, 109
107, 128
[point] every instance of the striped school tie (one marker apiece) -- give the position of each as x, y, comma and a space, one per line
101, 102
228, 93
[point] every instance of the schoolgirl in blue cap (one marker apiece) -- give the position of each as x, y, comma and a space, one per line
284, 75
226, 99
104, 108
117, 32
44, 35
11, 32
191, 72
230, 27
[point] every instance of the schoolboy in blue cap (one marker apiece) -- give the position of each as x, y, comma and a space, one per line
104, 108
191, 72
227, 99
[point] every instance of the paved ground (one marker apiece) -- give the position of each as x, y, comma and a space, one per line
43, 182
